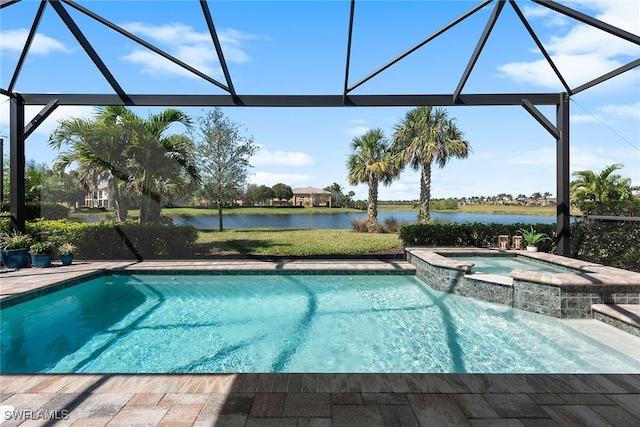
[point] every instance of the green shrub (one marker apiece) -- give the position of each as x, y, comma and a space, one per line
359, 225
474, 234
118, 241
614, 243
390, 225
443, 204
35, 210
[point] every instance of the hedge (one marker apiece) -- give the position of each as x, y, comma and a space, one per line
474, 234
613, 243
119, 241
48, 210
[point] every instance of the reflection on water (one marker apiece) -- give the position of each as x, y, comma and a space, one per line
340, 220
343, 220
30, 343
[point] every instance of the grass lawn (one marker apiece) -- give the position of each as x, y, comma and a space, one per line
265, 241
512, 209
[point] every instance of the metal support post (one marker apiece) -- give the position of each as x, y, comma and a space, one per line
17, 164
562, 177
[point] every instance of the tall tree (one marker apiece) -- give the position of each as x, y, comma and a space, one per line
248, 193
590, 188
164, 161
536, 196
282, 191
224, 154
98, 148
424, 136
263, 193
369, 163
336, 194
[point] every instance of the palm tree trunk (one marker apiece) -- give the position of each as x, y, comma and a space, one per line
146, 194
144, 203
219, 216
425, 190
121, 210
372, 207
154, 209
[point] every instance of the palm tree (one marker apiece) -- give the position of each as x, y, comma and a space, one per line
98, 149
120, 147
426, 135
536, 196
372, 162
163, 162
605, 186
336, 194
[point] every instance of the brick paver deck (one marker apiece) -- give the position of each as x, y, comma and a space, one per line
322, 400
305, 399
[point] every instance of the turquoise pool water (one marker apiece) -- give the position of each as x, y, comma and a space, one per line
285, 323
503, 265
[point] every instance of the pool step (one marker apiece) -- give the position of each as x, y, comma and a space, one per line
622, 316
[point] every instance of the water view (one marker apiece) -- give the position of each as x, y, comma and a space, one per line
343, 220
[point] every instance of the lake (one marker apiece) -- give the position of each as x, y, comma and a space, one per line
343, 220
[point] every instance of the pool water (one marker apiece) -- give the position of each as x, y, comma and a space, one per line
286, 323
503, 265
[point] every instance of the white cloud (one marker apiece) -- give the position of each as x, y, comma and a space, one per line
574, 68
265, 157
623, 111
584, 52
156, 65
584, 118
583, 158
609, 114
291, 179
357, 130
542, 157
13, 41
551, 19
190, 46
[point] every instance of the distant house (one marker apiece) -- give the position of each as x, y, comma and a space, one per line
98, 197
311, 196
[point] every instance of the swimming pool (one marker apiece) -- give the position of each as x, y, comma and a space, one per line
285, 323
505, 264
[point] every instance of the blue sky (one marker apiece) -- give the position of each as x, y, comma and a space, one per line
278, 47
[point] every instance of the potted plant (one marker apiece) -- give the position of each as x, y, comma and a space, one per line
15, 249
532, 237
42, 254
66, 253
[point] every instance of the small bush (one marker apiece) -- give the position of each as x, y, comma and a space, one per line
358, 225
390, 225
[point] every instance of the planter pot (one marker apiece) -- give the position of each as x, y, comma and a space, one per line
15, 258
532, 248
41, 261
66, 259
